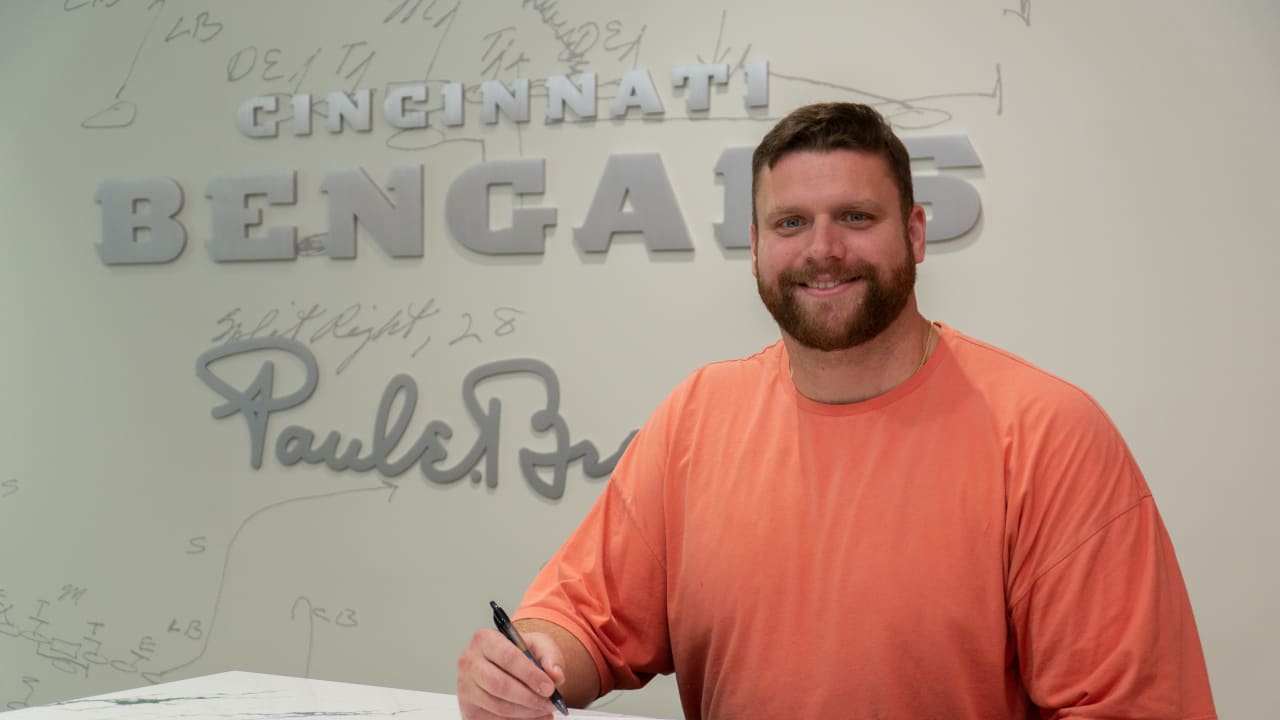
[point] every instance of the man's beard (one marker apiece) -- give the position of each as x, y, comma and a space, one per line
883, 300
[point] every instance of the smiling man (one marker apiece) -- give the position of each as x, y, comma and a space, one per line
876, 517
834, 253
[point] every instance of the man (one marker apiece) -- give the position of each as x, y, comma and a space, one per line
875, 517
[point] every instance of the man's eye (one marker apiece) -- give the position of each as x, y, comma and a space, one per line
856, 217
790, 223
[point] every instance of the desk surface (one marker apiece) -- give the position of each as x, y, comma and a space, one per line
254, 696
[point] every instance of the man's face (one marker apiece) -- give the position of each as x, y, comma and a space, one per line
833, 262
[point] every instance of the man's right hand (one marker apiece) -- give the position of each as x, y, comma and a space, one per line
496, 680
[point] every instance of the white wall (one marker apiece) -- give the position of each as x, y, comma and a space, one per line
1127, 243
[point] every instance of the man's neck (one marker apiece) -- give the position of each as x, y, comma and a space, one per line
865, 371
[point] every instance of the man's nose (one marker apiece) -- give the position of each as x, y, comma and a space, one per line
827, 241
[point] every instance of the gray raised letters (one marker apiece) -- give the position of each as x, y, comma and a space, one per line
122, 221
467, 208
247, 117
734, 167
642, 179
395, 223
430, 450
757, 73
955, 202
231, 216
356, 112
561, 92
301, 114
393, 106
699, 78
635, 90
258, 400
453, 104
515, 105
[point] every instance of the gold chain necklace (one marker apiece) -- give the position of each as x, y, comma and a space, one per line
928, 338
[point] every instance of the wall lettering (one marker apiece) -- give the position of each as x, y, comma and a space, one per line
140, 217
258, 401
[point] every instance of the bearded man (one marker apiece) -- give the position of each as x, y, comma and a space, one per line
875, 517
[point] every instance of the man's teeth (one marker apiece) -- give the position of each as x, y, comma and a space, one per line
824, 285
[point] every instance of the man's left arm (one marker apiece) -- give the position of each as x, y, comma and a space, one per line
1108, 631
1099, 611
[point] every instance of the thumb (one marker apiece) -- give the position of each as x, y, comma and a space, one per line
548, 654
557, 674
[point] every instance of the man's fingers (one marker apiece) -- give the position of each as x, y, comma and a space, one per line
499, 706
497, 680
507, 656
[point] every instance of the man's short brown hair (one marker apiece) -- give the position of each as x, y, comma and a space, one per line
823, 127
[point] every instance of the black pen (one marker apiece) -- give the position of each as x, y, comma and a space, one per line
506, 628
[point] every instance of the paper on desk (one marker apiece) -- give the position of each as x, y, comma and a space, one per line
598, 714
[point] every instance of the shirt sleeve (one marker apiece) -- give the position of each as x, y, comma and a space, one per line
1102, 623
607, 584
1108, 631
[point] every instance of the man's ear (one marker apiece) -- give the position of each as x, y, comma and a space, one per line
754, 268
916, 232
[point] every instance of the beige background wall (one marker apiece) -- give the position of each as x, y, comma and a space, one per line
1127, 242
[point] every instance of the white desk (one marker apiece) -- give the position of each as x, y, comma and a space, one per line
253, 696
